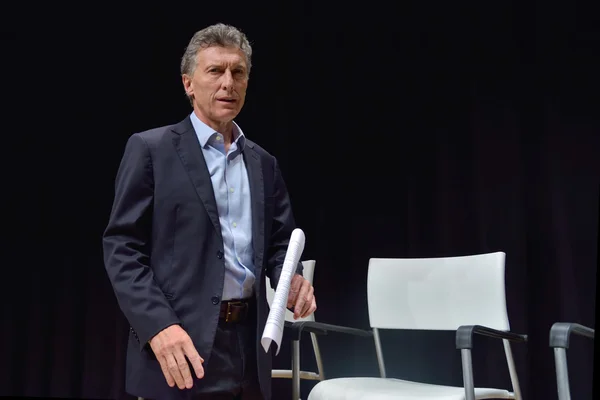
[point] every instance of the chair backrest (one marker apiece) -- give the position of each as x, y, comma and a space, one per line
308, 273
437, 293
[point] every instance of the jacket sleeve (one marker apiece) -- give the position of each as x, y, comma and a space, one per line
127, 245
282, 226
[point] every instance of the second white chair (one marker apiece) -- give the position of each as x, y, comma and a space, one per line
464, 294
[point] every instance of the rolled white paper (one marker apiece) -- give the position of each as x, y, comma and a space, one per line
275, 322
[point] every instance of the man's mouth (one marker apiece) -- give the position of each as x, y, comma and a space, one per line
227, 100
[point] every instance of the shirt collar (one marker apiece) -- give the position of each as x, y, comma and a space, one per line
206, 133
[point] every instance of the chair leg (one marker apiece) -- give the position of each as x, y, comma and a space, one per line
318, 359
295, 370
379, 353
562, 373
467, 367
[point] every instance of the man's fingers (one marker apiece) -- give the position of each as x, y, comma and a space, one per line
307, 303
184, 369
174, 370
195, 359
311, 309
165, 370
171, 346
301, 299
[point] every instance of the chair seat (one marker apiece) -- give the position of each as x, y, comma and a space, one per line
381, 389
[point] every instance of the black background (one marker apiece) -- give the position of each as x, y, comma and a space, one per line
410, 130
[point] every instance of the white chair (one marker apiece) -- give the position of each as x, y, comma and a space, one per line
560, 334
296, 373
463, 294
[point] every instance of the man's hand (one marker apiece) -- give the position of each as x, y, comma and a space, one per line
302, 297
171, 346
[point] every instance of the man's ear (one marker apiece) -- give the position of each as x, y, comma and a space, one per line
187, 84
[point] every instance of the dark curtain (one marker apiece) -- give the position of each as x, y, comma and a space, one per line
416, 131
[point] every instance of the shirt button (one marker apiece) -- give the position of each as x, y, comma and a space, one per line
231, 190
234, 224
215, 300
219, 254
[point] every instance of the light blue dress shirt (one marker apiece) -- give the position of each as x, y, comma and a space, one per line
232, 193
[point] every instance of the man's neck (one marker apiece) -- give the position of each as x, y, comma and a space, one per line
224, 128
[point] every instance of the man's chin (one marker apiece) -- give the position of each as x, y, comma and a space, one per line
227, 115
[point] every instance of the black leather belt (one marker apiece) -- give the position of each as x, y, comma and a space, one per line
234, 310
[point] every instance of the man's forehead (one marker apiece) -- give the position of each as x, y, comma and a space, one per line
221, 55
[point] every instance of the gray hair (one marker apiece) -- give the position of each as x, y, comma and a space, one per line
215, 35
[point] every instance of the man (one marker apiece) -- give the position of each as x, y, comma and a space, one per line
201, 214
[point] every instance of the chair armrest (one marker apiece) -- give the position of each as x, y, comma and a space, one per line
464, 335
560, 333
320, 328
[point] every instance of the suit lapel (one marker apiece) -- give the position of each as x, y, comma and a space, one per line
187, 146
257, 193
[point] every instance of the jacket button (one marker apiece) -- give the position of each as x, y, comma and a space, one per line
219, 254
215, 300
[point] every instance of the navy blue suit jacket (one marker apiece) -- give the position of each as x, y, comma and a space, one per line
163, 249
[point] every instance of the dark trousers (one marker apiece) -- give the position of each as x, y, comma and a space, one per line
231, 371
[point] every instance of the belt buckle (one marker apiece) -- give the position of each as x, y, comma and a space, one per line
229, 304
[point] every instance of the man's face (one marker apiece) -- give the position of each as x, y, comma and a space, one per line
218, 84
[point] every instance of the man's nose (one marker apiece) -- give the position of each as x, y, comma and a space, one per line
227, 80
